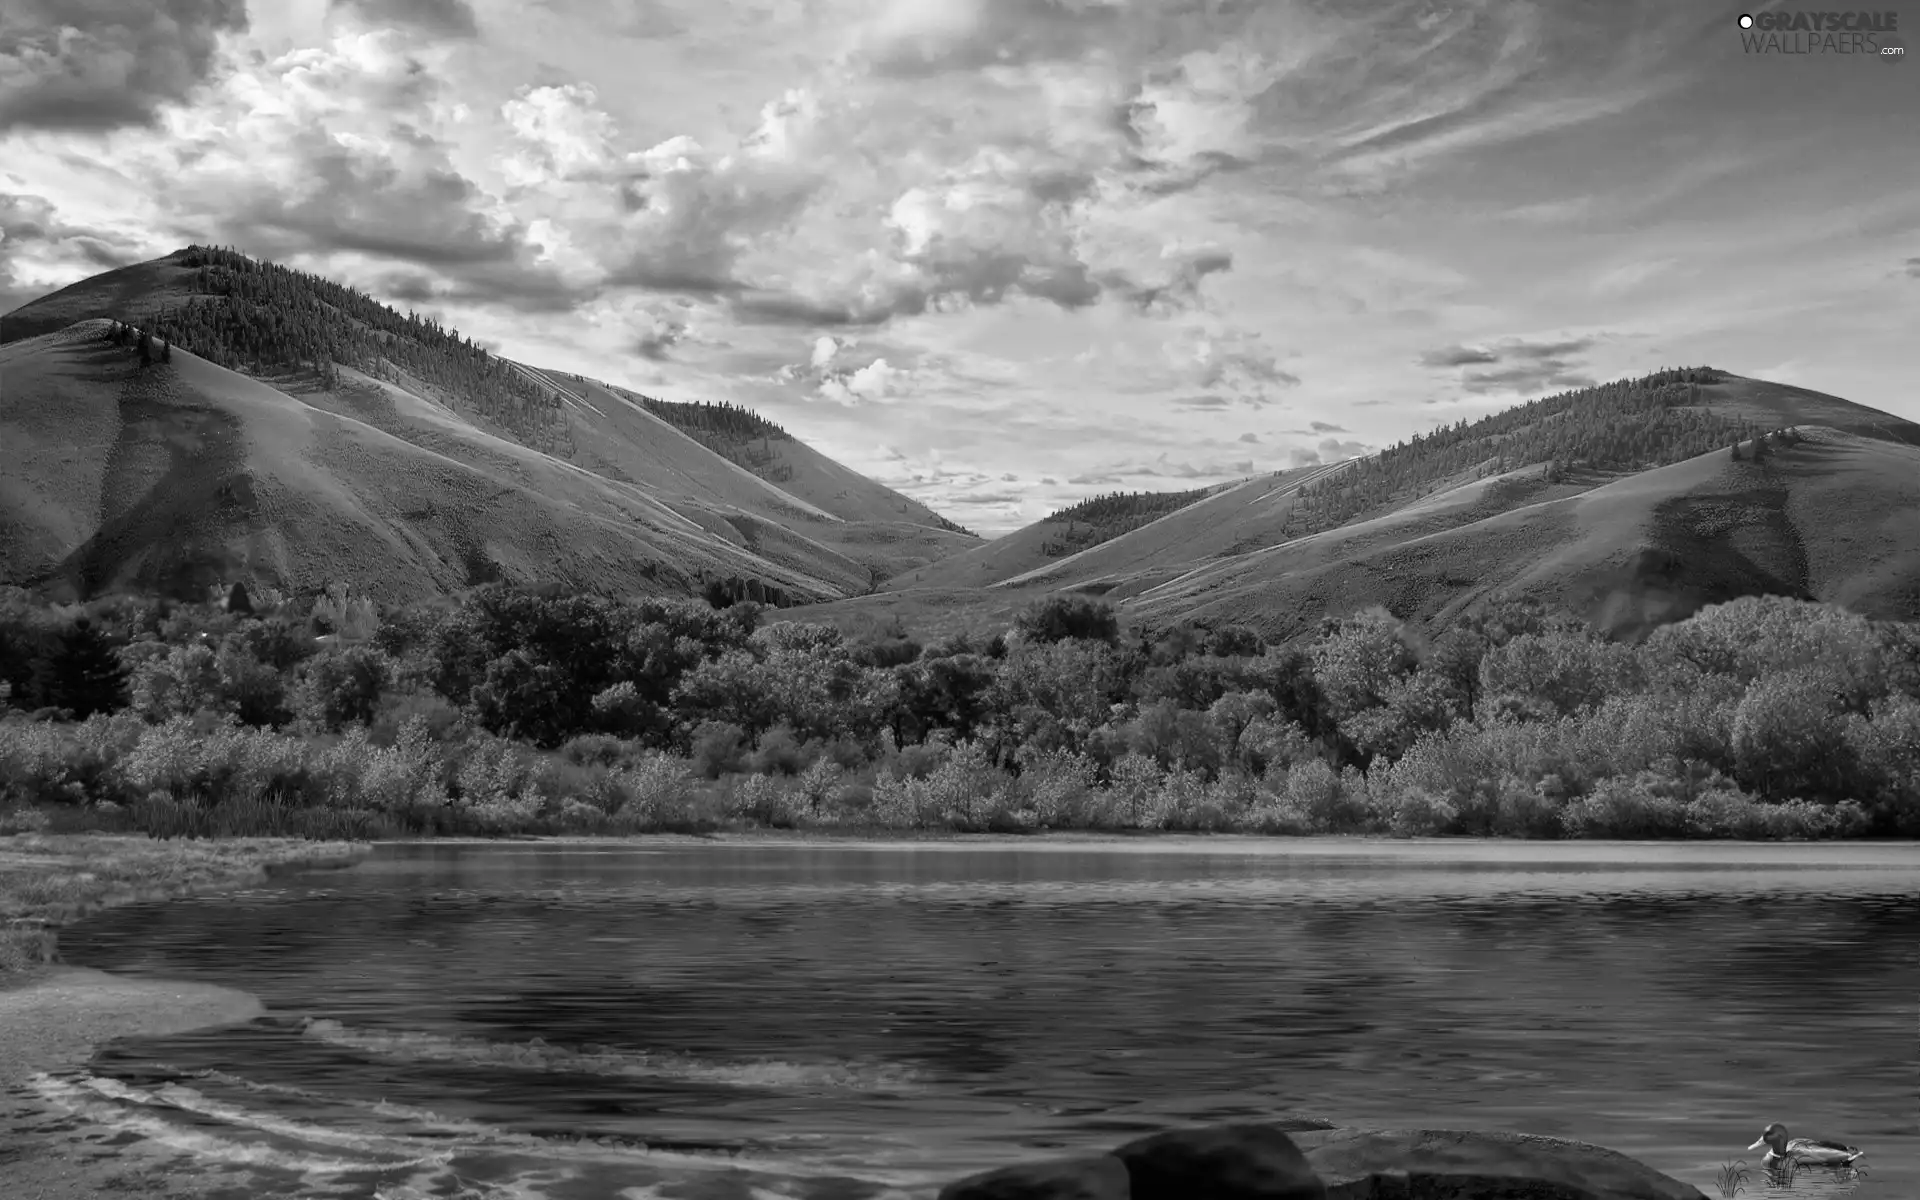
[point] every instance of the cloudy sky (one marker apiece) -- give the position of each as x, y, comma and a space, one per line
1002, 254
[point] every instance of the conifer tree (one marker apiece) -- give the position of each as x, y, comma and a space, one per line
84, 676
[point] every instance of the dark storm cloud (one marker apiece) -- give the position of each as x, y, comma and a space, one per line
80, 66
28, 221
442, 18
425, 215
362, 200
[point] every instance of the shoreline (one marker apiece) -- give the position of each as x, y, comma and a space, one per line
1652, 852
54, 1016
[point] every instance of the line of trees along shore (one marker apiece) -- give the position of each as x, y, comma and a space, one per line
512, 711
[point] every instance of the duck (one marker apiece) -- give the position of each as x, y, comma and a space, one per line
1808, 1151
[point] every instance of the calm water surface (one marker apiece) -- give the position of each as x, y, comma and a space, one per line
733, 1021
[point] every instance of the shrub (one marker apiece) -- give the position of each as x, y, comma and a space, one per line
766, 800
1059, 618
1058, 785
1411, 812
780, 752
177, 681
1788, 737
1134, 792
1330, 801
252, 690
1885, 746
1642, 806
442, 720
719, 748
659, 789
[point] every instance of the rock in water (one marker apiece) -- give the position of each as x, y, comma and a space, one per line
1098, 1177
1358, 1164
1226, 1162
1312, 1160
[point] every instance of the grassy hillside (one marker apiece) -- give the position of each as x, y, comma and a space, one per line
1828, 515
878, 531
1222, 520
324, 349
181, 475
1284, 550
1059, 535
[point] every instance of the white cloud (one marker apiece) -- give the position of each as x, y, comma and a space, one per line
1039, 236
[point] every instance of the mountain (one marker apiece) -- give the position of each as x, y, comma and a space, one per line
300, 433
1828, 515
1622, 501
1066, 533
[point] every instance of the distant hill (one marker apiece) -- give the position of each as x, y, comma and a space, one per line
1281, 551
1827, 515
1079, 527
388, 426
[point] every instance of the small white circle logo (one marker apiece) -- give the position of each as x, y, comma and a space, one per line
1746, 21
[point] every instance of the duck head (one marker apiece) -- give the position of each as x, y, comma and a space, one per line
1774, 1139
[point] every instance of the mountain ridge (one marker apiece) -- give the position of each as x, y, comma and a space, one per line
1277, 535
323, 437
831, 533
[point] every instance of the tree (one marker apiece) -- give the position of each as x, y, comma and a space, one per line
342, 686
85, 676
1564, 671
146, 349
166, 351
1788, 739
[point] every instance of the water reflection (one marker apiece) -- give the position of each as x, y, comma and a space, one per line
877, 1019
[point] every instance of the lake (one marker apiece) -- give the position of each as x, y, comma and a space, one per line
727, 1020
